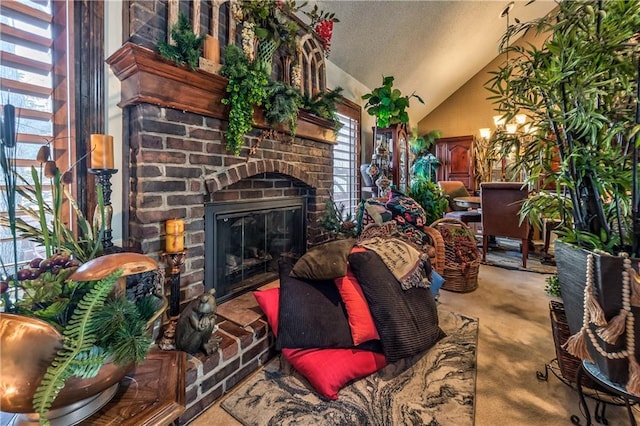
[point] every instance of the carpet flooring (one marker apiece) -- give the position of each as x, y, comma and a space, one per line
436, 387
506, 254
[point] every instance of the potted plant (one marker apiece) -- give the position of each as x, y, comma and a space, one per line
424, 162
387, 104
580, 92
69, 331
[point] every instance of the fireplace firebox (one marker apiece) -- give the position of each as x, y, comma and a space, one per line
244, 241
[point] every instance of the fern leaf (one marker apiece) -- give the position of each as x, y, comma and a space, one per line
87, 364
78, 336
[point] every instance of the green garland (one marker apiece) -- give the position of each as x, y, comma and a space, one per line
188, 46
247, 88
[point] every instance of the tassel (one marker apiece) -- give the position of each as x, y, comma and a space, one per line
633, 384
635, 287
576, 345
613, 330
596, 314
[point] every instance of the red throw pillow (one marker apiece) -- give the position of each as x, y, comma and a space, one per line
361, 322
269, 301
329, 370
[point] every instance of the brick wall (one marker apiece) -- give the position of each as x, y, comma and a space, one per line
178, 162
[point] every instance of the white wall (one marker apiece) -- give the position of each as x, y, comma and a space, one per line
113, 120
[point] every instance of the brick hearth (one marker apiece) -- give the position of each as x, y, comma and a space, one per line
247, 344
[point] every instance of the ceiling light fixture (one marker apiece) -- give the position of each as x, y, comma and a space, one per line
500, 121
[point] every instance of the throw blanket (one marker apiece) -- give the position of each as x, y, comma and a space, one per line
404, 261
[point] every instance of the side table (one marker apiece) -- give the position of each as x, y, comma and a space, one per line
153, 394
615, 390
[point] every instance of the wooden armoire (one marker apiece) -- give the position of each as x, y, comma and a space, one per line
456, 160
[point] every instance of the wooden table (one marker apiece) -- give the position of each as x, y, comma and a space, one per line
468, 202
151, 395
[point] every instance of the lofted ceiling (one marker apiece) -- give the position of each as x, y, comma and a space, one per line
430, 47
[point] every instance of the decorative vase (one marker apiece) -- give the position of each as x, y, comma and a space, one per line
607, 289
27, 347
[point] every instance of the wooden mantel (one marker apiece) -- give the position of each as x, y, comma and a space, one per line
146, 77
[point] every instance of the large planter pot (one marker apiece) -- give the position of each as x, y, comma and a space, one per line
27, 347
607, 288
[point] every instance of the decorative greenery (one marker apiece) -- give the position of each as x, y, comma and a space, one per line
188, 46
282, 105
247, 89
425, 163
42, 288
429, 195
323, 104
79, 336
270, 20
336, 221
552, 286
580, 91
387, 104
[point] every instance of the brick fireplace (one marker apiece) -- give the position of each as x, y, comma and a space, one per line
178, 163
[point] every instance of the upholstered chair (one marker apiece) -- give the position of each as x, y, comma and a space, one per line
453, 189
501, 202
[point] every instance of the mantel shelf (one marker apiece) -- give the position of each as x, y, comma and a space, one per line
146, 77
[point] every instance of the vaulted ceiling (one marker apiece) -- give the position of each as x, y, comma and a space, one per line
430, 47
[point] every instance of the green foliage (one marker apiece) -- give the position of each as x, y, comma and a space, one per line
56, 237
324, 104
553, 286
387, 104
188, 46
421, 145
247, 88
580, 91
429, 195
79, 336
121, 330
271, 20
282, 105
335, 220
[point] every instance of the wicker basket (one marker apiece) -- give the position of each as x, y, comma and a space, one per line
459, 276
567, 363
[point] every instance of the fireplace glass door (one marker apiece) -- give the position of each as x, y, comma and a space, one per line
248, 239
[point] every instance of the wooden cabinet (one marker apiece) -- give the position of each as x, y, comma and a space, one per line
456, 160
397, 142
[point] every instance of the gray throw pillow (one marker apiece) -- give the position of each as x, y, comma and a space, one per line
325, 261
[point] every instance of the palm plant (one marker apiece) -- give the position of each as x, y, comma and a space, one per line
580, 91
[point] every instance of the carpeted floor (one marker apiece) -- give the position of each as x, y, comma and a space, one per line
436, 387
515, 341
506, 254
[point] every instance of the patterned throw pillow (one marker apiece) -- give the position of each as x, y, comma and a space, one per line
406, 210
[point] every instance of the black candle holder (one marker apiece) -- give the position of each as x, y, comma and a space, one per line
103, 178
175, 262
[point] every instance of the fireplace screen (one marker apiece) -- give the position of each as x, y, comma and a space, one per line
245, 240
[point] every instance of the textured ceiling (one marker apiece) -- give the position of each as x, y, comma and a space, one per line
430, 47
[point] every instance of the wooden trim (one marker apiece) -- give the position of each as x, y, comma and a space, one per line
89, 87
146, 77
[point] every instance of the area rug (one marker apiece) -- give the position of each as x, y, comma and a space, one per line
506, 254
433, 388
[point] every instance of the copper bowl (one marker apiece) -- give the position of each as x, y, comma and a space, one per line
27, 347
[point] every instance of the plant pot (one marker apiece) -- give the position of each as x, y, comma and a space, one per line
607, 288
27, 347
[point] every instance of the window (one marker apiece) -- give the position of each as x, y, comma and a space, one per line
35, 78
345, 159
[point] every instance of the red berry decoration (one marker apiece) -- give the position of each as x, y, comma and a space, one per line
4, 286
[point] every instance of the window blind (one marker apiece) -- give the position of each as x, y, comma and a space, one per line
34, 77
